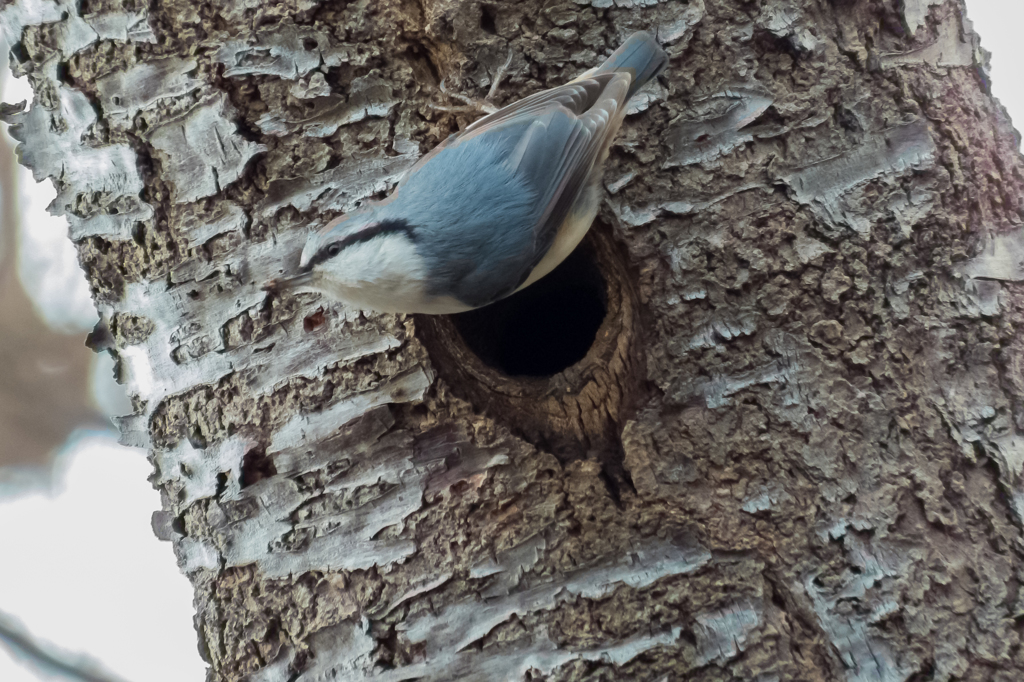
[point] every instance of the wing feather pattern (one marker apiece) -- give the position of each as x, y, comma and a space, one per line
549, 147
564, 131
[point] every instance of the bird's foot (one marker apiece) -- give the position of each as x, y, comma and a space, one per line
473, 104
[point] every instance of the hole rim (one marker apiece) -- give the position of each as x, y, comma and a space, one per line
576, 411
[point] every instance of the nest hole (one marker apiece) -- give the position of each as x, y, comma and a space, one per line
560, 362
545, 328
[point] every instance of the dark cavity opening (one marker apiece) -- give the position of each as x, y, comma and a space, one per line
256, 466
488, 15
544, 328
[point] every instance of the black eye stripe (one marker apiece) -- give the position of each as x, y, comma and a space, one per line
371, 231
364, 235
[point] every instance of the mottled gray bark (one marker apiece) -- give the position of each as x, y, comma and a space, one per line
794, 450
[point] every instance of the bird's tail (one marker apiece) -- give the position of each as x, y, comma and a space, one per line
641, 56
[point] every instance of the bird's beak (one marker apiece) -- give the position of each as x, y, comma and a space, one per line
297, 283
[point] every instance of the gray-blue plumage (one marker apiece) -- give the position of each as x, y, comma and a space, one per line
481, 245
484, 208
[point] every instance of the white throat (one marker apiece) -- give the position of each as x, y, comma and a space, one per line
385, 274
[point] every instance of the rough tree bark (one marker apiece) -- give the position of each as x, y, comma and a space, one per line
793, 450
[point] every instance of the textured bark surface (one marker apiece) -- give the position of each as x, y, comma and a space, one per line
794, 451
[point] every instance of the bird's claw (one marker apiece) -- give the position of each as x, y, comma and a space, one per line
498, 77
472, 104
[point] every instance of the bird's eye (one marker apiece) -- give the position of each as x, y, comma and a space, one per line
334, 249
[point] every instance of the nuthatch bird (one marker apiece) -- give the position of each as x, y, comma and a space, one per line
490, 210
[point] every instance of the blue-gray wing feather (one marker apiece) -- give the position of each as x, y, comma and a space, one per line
527, 164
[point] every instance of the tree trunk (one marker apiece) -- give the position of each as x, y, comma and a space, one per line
766, 424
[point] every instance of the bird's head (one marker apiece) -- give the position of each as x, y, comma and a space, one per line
366, 260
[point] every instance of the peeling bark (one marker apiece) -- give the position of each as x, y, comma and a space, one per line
793, 450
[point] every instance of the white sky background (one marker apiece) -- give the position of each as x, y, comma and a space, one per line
998, 23
83, 570
81, 567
